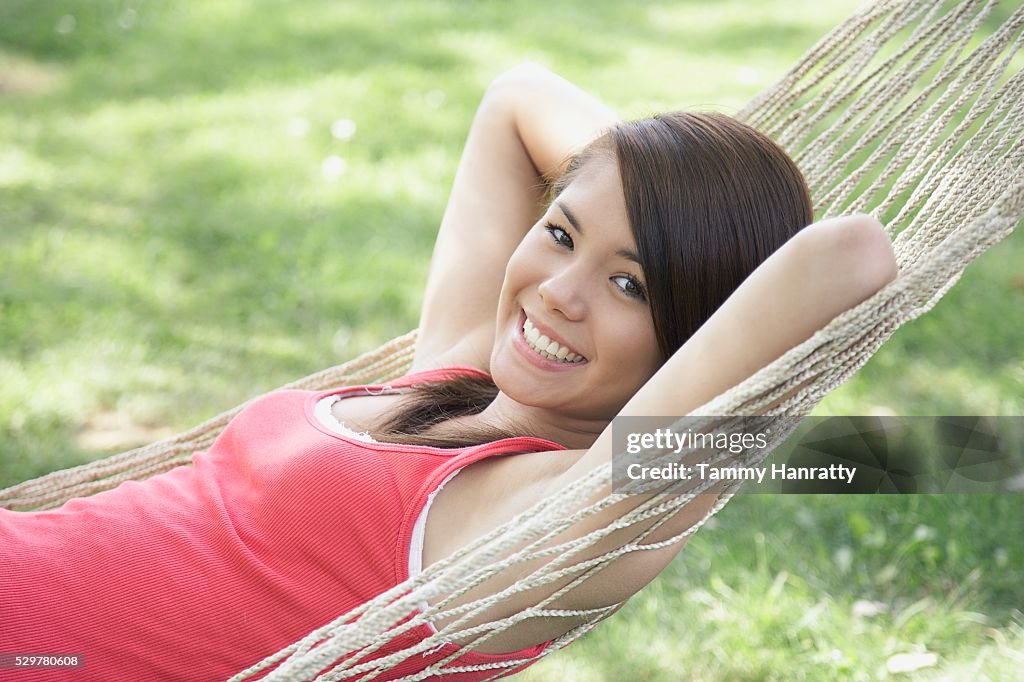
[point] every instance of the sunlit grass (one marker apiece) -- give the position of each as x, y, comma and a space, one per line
787, 588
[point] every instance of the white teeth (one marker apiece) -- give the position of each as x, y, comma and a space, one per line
530, 332
546, 347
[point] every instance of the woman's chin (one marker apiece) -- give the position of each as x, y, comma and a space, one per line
523, 385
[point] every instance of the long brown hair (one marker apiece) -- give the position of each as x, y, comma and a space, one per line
708, 198
434, 403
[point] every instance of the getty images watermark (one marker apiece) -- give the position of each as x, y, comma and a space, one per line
819, 454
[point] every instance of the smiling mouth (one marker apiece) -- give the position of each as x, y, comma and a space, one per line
548, 348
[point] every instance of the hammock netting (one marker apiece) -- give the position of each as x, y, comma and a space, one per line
911, 111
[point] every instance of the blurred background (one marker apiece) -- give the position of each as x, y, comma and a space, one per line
200, 202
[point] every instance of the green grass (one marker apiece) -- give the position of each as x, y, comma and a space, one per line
786, 587
171, 245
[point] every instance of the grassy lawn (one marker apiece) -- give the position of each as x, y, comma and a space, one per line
202, 201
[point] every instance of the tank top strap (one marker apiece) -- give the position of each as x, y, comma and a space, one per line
439, 374
423, 376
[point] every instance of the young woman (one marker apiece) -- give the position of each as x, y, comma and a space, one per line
672, 261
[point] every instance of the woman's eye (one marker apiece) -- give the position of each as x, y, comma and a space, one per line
560, 236
631, 287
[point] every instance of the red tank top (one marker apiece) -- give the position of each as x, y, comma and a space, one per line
198, 573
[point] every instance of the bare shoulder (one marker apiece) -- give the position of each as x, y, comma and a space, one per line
495, 491
489, 493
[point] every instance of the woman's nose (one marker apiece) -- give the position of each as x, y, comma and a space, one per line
564, 292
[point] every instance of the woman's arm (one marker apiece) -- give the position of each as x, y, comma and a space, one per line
528, 124
824, 270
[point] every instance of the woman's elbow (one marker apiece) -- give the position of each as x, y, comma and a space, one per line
856, 253
514, 81
870, 251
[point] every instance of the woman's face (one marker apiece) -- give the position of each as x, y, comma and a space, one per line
576, 280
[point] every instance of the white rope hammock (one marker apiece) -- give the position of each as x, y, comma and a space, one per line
910, 110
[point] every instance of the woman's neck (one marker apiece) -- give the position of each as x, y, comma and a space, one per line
512, 416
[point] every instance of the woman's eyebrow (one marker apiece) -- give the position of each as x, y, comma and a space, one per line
568, 214
628, 254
